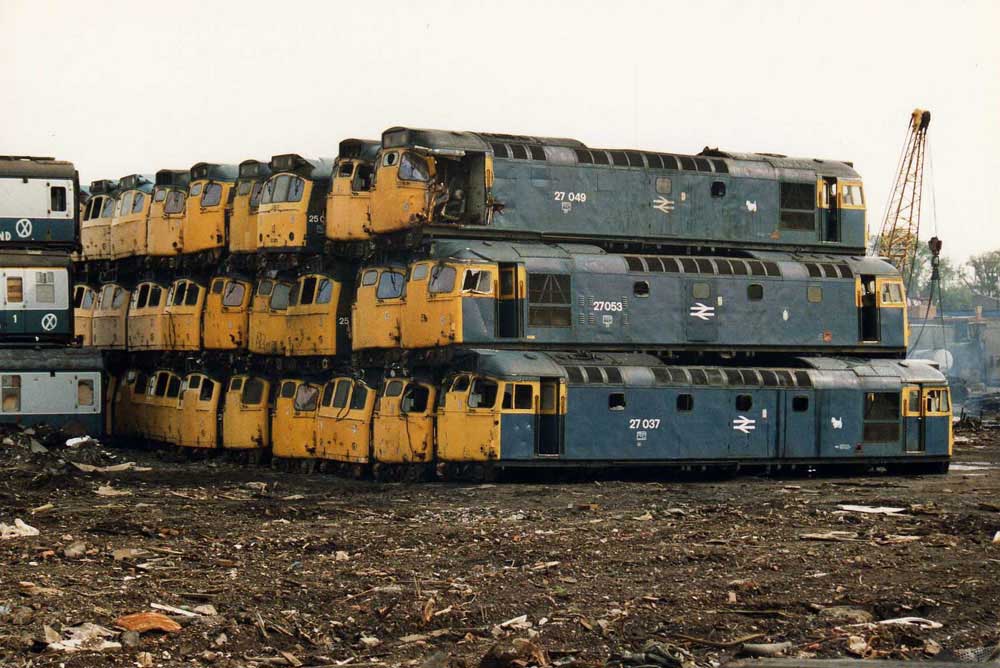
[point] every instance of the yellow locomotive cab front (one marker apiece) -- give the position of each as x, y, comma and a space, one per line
246, 417
293, 430
185, 304
129, 227
311, 318
432, 314
403, 430
227, 314
208, 208
164, 227
347, 205
147, 320
110, 318
84, 305
376, 314
343, 421
268, 330
243, 223
95, 228
468, 422
402, 195
199, 407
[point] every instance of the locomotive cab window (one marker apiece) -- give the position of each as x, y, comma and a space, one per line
369, 277
119, 298
325, 291
413, 168
235, 384
139, 202
359, 397
851, 195
306, 398
207, 390
393, 388
937, 401
892, 293
141, 296
415, 399
213, 195
390, 285
288, 389
483, 394
175, 202
217, 286
234, 294
193, 292
308, 290
518, 397
253, 391
442, 280
419, 272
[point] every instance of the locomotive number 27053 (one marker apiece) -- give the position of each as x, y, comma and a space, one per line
608, 306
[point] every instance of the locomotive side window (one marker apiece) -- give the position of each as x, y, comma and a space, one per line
744, 402
45, 287
663, 185
755, 292
800, 404
685, 403
798, 206
640, 288
852, 195
159, 195
288, 389
814, 294
78, 293
701, 291
11, 389
15, 289
477, 282
892, 293
419, 272
57, 198
369, 277
718, 189
616, 401
217, 286
549, 300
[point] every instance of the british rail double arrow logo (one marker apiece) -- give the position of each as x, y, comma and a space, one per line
702, 311
744, 424
663, 204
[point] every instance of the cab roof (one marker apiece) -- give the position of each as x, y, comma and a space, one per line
310, 168
365, 149
35, 167
254, 170
173, 177
214, 171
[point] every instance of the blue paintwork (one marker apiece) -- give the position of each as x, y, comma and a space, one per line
48, 230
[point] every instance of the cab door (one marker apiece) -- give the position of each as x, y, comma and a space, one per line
417, 410
550, 410
510, 305
914, 420
829, 209
750, 433
701, 322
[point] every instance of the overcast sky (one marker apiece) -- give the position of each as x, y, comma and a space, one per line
125, 87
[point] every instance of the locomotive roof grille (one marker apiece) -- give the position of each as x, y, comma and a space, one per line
702, 265
706, 376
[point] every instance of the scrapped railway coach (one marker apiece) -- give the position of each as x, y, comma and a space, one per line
505, 186
36, 298
60, 388
38, 203
538, 296
515, 409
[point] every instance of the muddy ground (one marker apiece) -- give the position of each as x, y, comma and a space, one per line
317, 570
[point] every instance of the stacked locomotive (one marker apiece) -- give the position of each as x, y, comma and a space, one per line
481, 301
42, 378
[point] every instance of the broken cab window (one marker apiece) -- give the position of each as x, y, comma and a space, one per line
413, 168
477, 281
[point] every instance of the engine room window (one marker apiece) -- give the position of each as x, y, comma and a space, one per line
800, 404
213, 195
390, 285
616, 401
881, 417
15, 289
234, 294
755, 292
442, 279
413, 168
685, 402
798, 206
744, 402
663, 185
640, 288
11, 388
701, 291
814, 294
483, 394
549, 300
477, 281
45, 288
718, 189
57, 198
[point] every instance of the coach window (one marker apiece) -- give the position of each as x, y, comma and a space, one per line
483, 394
11, 394
744, 402
755, 292
15, 289
85, 392
685, 403
814, 294
616, 401
413, 168
442, 279
640, 288
663, 185
477, 282
45, 287
701, 291
57, 198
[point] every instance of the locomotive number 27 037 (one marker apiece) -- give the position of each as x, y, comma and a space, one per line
649, 423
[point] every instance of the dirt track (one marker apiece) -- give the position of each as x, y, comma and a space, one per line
318, 570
